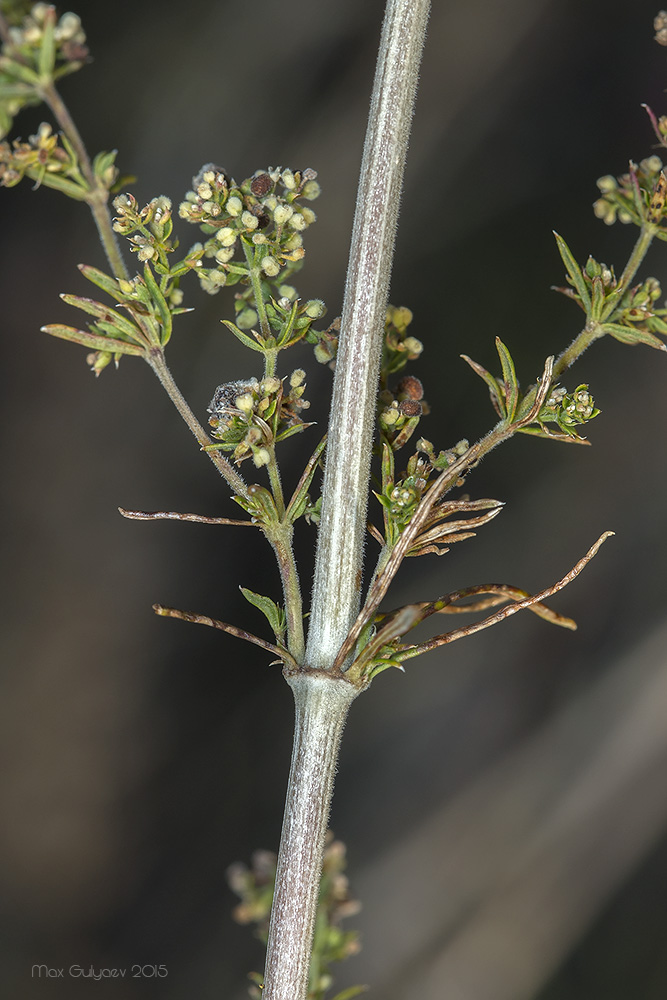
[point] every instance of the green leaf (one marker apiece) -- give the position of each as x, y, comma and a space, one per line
299, 500
378, 666
388, 466
543, 432
47, 49
294, 429
13, 90
91, 340
103, 281
274, 614
574, 271
494, 388
510, 379
630, 335
18, 71
597, 298
248, 341
161, 303
58, 183
109, 317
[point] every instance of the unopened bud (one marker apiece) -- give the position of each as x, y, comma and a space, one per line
270, 266
282, 214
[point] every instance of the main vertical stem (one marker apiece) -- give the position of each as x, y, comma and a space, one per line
340, 544
321, 705
322, 699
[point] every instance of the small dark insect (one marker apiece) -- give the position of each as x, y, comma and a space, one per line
223, 405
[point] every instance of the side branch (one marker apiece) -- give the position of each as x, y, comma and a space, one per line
157, 515
511, 609
188, 616
445, 481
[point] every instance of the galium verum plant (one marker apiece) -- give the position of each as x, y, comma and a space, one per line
251, 240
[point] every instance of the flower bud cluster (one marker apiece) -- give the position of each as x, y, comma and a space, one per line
400, 499
250, 416
39, 45
399, 413
255, 886
50, 160
148, 229
399, 346
568, 410
68, 34
265, 212
41, 154
326, 343
637, 310
638, 196
443, 459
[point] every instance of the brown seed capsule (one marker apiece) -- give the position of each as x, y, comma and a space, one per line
262, 218
410, 387
411, 408
261, 185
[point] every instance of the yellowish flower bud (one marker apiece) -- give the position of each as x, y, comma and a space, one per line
249, 220
282, 214
270, 266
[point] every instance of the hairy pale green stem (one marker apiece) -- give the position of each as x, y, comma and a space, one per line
339, 559
99, 196
158, 363
321, 704
322, 699
280, 537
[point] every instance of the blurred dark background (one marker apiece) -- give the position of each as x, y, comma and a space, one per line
505, 802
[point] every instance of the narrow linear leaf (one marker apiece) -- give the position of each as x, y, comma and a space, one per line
388, 465
574, 271
252, 344
297, 504
632, 336
47, 49
18, 71
274, 615
161, 304
90, 340
109, 317
494, 388
510, 379
597, 299
103, 281
11, 90
291, 431
58, 183
554, 435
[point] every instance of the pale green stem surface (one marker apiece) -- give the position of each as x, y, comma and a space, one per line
157, 362
321, 706
99, 196
322, 699
339, 559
